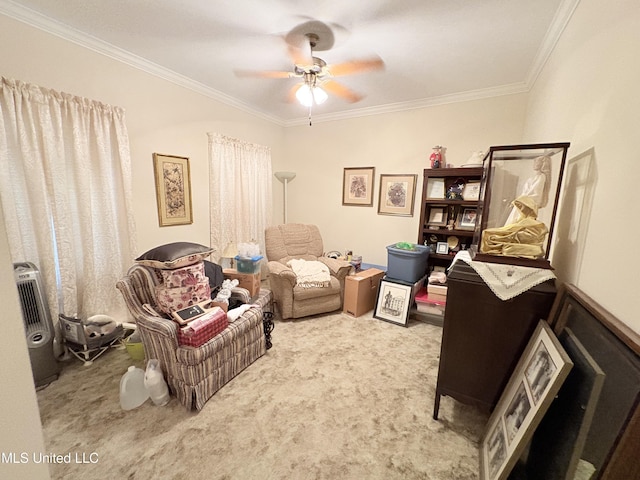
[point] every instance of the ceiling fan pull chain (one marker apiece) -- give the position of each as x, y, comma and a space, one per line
309, 115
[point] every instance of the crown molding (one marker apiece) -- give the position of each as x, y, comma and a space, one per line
41, 22
470, 95
559, 23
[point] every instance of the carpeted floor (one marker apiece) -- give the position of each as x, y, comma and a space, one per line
335, 398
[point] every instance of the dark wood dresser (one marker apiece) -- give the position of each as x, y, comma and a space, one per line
483, 337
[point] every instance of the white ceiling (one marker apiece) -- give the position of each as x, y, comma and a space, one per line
435, 51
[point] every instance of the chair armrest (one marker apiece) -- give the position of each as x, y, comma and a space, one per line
159, 334
241, 294
338, 268
282, 271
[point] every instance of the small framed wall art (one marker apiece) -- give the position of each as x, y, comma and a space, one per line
397, 195
173, 189
357, 186
393, 302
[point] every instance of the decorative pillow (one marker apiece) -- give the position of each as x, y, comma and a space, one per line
185, 276
173, 299
174, 255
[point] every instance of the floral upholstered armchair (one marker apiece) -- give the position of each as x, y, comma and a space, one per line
295, 249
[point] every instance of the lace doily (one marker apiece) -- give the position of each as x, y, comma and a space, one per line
506, 281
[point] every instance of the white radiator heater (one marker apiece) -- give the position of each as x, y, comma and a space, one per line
37, 323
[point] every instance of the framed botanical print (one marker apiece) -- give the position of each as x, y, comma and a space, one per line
357, 186
173, 189
397, 194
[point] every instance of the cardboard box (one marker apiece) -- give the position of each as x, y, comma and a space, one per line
434, 289
361, 291
250, 281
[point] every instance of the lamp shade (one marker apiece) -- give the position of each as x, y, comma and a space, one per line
230, 251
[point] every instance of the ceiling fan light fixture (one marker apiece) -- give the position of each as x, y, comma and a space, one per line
308, 95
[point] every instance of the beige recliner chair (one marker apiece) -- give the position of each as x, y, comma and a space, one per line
296, 241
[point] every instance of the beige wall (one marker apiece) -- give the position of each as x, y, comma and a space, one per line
21, 431
588, 95
393, 143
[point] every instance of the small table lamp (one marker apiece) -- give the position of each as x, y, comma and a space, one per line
229, 252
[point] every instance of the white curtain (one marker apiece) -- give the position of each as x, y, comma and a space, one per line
239, 191
65, 187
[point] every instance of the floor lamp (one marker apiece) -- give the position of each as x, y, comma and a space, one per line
285, 178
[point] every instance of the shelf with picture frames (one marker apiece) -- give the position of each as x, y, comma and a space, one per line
448, 211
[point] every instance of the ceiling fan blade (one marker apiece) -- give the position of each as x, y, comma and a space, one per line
264, 74
340, 90
356, 66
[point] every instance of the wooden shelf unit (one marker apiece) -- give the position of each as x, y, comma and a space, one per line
450, 176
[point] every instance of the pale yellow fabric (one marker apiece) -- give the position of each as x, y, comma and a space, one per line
523, 238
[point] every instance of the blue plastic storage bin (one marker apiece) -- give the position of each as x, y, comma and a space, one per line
407, 265
248, 264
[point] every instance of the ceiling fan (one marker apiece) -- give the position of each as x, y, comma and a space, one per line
317, 78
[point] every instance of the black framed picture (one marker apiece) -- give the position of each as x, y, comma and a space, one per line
394, 302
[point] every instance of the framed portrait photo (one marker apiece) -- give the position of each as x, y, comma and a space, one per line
393, 302
467, 219
536, 380
397, 195
357, 186
173, 189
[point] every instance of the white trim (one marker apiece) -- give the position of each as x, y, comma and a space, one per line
560, 21
415, 104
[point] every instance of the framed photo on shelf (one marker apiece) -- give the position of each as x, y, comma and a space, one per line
397, 195
467, 219
442, 248
173, 189
538, 376
471, 190
357, 186
437, 216
435, 188
393, 302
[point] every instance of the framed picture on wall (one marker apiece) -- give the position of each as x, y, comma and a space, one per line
357, 186
397, 195
173, 189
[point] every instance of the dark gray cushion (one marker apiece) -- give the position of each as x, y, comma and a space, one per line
174, 255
